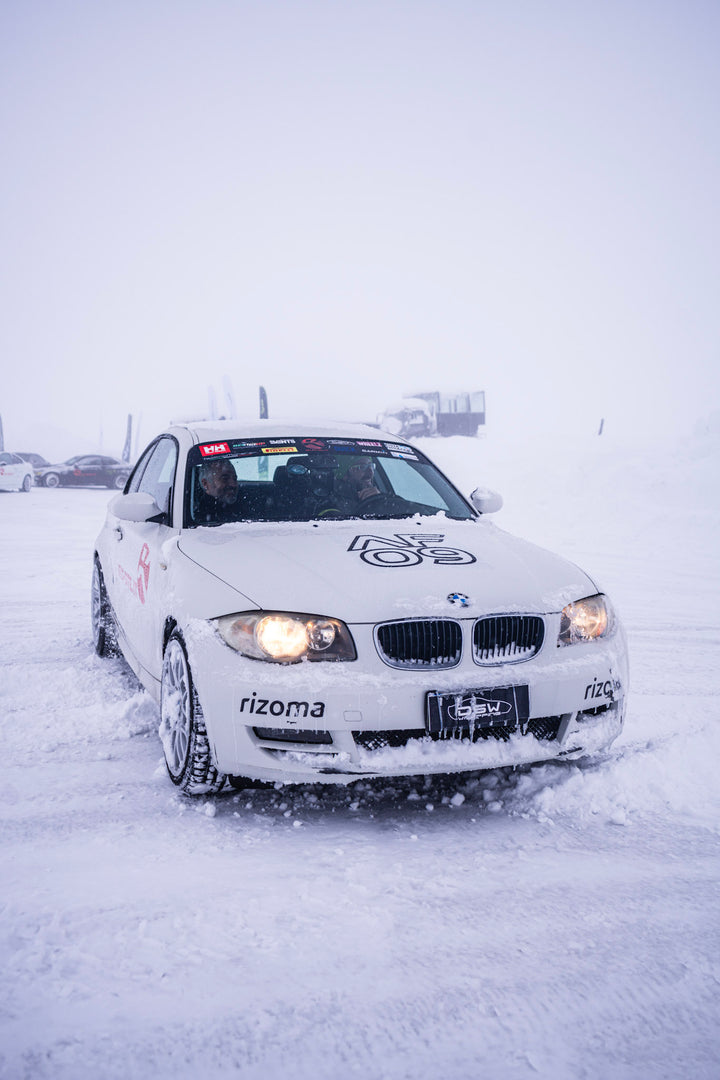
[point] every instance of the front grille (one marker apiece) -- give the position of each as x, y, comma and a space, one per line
420, 643
507, 639
545, 728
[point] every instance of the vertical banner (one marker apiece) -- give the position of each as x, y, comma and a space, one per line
263, 404
128, 439
2, 439
229, 397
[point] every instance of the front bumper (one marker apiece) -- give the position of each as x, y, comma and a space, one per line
340, 722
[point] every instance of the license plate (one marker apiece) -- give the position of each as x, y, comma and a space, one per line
502, 706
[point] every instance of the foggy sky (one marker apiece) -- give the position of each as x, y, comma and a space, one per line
350, 201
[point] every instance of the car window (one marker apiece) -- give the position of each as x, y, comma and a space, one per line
4, 459
157, 476
139, 469
307, 479
412, 483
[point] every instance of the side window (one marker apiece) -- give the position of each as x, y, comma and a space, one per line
4, 459
139, 469
159, 473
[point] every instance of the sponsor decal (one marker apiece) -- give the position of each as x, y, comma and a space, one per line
479, 708
246, 444
408, 454
143, 572
408, 549
400, 447
342, 442
279, 450
368, 442
313, 444
604, 689
281, 442
292, 710
138, 584
208, 449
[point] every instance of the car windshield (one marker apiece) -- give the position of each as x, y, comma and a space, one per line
314, 479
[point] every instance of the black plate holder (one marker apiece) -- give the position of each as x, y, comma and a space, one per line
500, 706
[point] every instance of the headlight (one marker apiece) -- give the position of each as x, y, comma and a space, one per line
286, 637
586, 620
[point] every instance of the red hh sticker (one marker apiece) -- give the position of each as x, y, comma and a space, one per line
214, 448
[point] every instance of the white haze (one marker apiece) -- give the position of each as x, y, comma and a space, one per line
345, 202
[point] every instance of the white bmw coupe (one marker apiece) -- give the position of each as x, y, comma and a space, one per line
314, 602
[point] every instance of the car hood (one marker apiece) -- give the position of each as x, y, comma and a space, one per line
369, 571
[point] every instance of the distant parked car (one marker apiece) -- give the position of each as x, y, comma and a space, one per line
86, 470
15, 474
36, 460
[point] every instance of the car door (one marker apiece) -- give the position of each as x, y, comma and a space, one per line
7, 472
86, 470
20, 470
139, 579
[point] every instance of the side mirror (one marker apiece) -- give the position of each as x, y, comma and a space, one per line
486, 501
137, 506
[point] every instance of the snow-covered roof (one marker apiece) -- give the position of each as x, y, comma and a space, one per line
218, 430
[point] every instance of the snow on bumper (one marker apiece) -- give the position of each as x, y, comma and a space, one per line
338, 722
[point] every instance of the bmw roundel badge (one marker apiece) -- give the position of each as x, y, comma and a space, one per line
459, 598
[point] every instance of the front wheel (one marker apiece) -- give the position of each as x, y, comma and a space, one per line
182, 726
103, 627
51, 480
27, 482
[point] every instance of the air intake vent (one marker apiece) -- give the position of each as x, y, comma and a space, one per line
507, 639
421, 643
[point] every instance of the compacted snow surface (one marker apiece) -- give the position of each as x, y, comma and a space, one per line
557, 921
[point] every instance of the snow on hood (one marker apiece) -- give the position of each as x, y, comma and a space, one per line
368, 571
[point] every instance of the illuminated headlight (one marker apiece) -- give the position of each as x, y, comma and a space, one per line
586, 620
285, 637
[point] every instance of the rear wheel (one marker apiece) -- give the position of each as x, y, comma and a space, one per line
103, 624
118, 482
182, 726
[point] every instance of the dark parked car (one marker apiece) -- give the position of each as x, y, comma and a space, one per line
86, 470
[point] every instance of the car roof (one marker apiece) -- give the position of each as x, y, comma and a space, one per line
221, 430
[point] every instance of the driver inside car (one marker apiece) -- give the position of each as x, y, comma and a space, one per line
219, 483
358, 481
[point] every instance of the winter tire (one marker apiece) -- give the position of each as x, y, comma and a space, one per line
52, 480
119, 482
27, 483
182, 726
103, 625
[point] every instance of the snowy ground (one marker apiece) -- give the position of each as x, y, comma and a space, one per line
559, 921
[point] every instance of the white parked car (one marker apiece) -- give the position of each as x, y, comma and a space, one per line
15, 474
314, 602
